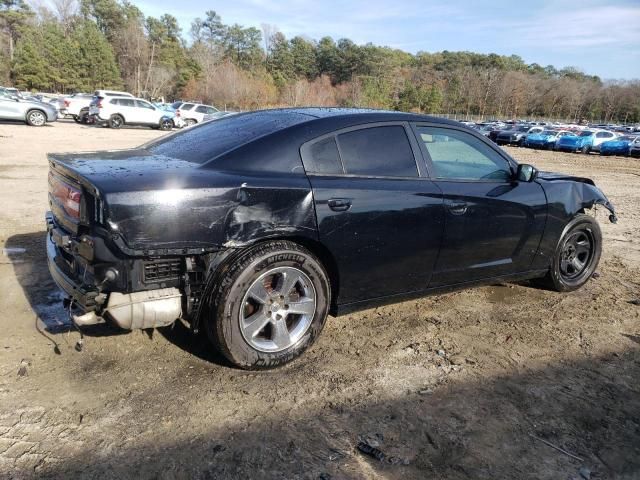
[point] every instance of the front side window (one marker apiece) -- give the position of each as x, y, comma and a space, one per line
457, 155
377, 151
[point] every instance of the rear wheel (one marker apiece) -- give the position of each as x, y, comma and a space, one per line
116, 121
189, 122
586, 149
270, 305
576, 256
36, 118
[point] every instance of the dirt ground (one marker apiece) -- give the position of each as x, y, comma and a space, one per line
469, 385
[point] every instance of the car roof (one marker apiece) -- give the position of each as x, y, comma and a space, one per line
370, 115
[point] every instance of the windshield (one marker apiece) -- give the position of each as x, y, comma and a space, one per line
210, 139
548, 132
586, 134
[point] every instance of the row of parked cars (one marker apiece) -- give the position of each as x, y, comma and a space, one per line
605, 140
103, 107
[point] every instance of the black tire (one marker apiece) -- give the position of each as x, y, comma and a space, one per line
166, 124
230, 300
36, 118
77, 119
189, 122
586, 149
116, 121
521, 142
557, 277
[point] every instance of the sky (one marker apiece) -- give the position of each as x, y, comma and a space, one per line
598, 37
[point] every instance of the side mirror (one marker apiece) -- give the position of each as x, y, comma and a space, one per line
526, 173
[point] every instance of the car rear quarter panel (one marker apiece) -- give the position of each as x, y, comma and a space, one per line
225, 211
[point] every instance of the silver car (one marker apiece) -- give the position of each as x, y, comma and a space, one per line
32, 112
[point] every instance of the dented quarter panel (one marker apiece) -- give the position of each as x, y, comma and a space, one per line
566, 196
154, 203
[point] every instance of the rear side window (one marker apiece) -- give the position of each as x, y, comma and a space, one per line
201, 109
378, 151
322, 157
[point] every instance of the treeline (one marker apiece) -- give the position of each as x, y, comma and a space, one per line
82, 45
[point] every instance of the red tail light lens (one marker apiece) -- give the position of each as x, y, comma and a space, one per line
99, 103
65, 195
67, 103
177, 113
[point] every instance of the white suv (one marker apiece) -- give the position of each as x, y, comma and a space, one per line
193, 113
119, 111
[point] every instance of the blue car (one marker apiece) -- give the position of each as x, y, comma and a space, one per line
619, 146
576, 143
545, 139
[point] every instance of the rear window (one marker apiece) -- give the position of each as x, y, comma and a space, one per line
186, 106
378, 151
176, 105
209, 140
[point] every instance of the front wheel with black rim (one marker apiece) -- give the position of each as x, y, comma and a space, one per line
576, 256
269, 305
586, 149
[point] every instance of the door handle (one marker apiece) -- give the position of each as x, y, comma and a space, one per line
339, 204
458, 208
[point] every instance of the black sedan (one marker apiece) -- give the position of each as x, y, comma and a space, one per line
256, 226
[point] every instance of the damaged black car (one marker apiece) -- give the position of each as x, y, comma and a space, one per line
256, 227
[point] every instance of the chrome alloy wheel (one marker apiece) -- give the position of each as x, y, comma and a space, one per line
277, 309
37, 118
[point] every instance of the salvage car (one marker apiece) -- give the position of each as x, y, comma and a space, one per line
546, 139
256, 226
618, 146
517, 135
32, 112
634, 148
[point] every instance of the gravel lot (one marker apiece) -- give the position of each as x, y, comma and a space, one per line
463, 385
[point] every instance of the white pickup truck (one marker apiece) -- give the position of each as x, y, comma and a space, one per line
76, 106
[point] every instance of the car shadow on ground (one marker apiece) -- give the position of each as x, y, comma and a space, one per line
46, 300
566, 419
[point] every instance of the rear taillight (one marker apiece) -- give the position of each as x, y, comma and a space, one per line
177, 113
67, 103
66, 196
99, 105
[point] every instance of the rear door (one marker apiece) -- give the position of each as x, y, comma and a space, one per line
379, 216
493, 223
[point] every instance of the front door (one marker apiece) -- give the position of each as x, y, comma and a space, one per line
381, 220
493, 223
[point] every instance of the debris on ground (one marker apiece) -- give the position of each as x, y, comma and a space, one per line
585, 473
635, 301
22, 370
373, 452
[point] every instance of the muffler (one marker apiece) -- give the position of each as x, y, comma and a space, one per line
146, 309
